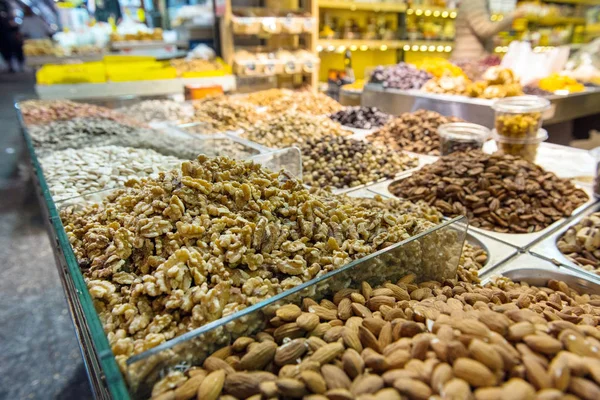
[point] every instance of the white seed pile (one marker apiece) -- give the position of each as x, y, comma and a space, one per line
75, 172
159, 110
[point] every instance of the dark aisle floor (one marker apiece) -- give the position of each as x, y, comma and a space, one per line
39, 354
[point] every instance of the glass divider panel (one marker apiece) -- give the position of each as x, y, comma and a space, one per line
431, 255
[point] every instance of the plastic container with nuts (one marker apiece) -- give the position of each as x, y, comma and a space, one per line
525, 148
462, 136
519, 117
596, 154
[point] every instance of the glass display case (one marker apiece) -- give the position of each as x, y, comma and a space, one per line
433, 254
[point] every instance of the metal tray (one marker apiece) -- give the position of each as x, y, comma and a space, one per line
519, 240
537, 271
547, 249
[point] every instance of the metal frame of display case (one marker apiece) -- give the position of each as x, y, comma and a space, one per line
395, 101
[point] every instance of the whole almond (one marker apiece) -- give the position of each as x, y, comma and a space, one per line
339, 394
351, 339
517, 389
361, 311
326, 353
488, 393
375, 325
325, 314
559, 372
243, 384
518, 331
290, 387
368, 339
291, 330
335, 377
385, 335
268, 389
377, 301
412, 388
420, 346
495, 321
543, 344
222, 353
342, 294
584, 388
189, 388
328, 304
211, 386
314, 381
345, 309
353, 363
259, 356
398, 358
366, 384
486, 354
397, 292
333, 334
168, 395
387, 394
214, 364
456, 388
241, 343
472, 327
473, 372
291, 351
548, 394
374, 360
440, 375
320, 329
358, 298
307, 321
288, 312
536, 374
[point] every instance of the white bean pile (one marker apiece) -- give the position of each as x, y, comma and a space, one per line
75, 172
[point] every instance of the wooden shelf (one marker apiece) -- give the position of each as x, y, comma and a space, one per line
360, 6
380, 44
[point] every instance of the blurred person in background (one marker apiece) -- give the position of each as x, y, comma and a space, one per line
11, 42
33, 26
475, 30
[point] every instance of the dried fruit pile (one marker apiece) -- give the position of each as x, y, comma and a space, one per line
400, 76
497, 192
581, 243
166, 256
405, 340
342, 162
292, 128
39, 112
416, 132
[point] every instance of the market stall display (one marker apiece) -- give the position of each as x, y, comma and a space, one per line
501, 193
344, 163
415, 132
173, 279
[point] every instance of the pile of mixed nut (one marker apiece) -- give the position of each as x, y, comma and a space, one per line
581, 243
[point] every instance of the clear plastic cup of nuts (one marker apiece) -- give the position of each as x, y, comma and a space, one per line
596, 154
461, 136
519, 117
525, 148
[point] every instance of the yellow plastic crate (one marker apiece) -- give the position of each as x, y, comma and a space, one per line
120, 58
91, 72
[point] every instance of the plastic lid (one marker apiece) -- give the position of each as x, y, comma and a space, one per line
464, 131
521, 104
541, 136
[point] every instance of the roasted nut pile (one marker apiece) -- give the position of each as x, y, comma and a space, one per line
496, 192
74, 172
39, 112
264, 98
400, 76
159, 110
342, 162
225, 114
165, 256
361, 117
307, 102
416, 341
416, 132
292, 128
497, 82
581, 243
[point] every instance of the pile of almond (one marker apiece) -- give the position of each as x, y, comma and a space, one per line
403, 340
